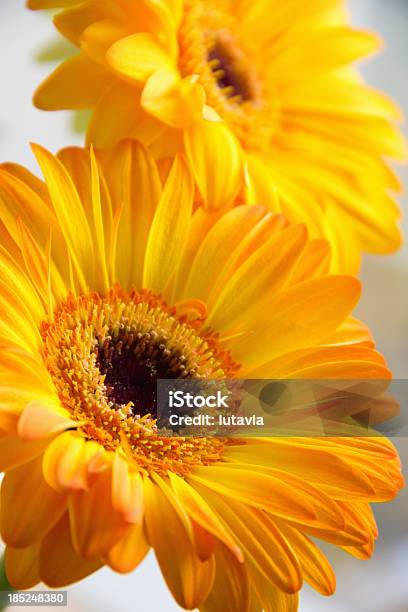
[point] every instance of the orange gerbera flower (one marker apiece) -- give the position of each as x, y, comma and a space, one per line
260, 92
109, 282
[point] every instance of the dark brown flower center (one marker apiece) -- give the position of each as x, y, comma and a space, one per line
105, 354
230, 72
132, 363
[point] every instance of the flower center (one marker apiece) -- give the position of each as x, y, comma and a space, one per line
230, 70
132, 361
105, 354
227, 67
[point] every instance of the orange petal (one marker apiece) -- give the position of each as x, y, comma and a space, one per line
301, 316
189, 579
59, 565
29, 506
21, 566
172, 219
201, 512
231, 586
99, 36
175, 101
314, 262
219, 176
73, 21
136, 57
127, 490
39, 420
255, 489
132, 165
108, 127
267, 596
322, 466
243, 290
211, 258
77, 83
315, 567
96, 525
262, 543
70, 213
129, 552
71, 462
14, 451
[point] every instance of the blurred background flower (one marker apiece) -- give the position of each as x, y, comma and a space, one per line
281, 79
378, 584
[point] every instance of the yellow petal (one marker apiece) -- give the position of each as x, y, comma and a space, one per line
263, 545
29, 506
77, 83
35, 262
169, 231
70, 214
339, 538
315, 567
267, 596
175, 101
342, 45
18, 367
99, 36
301, 316
59, 564
353, 332
337, 473
27, 198
341, 97
135, 188
136, 57
40, 420
189, 579
129, 552
255, 489
260, 275
127, 490
21, 566
74, 20
96, 525
219, 176
102, 281
78, 163
347, 369
204, 542
9, 415
71, 462
201, 222
108, 127
15, 452
326, 510
18, 326
231, 588
314, 261
347, 356
158, 16
201, 512
210, 258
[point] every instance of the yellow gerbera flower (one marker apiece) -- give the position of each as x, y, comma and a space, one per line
109, 282
261, 92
